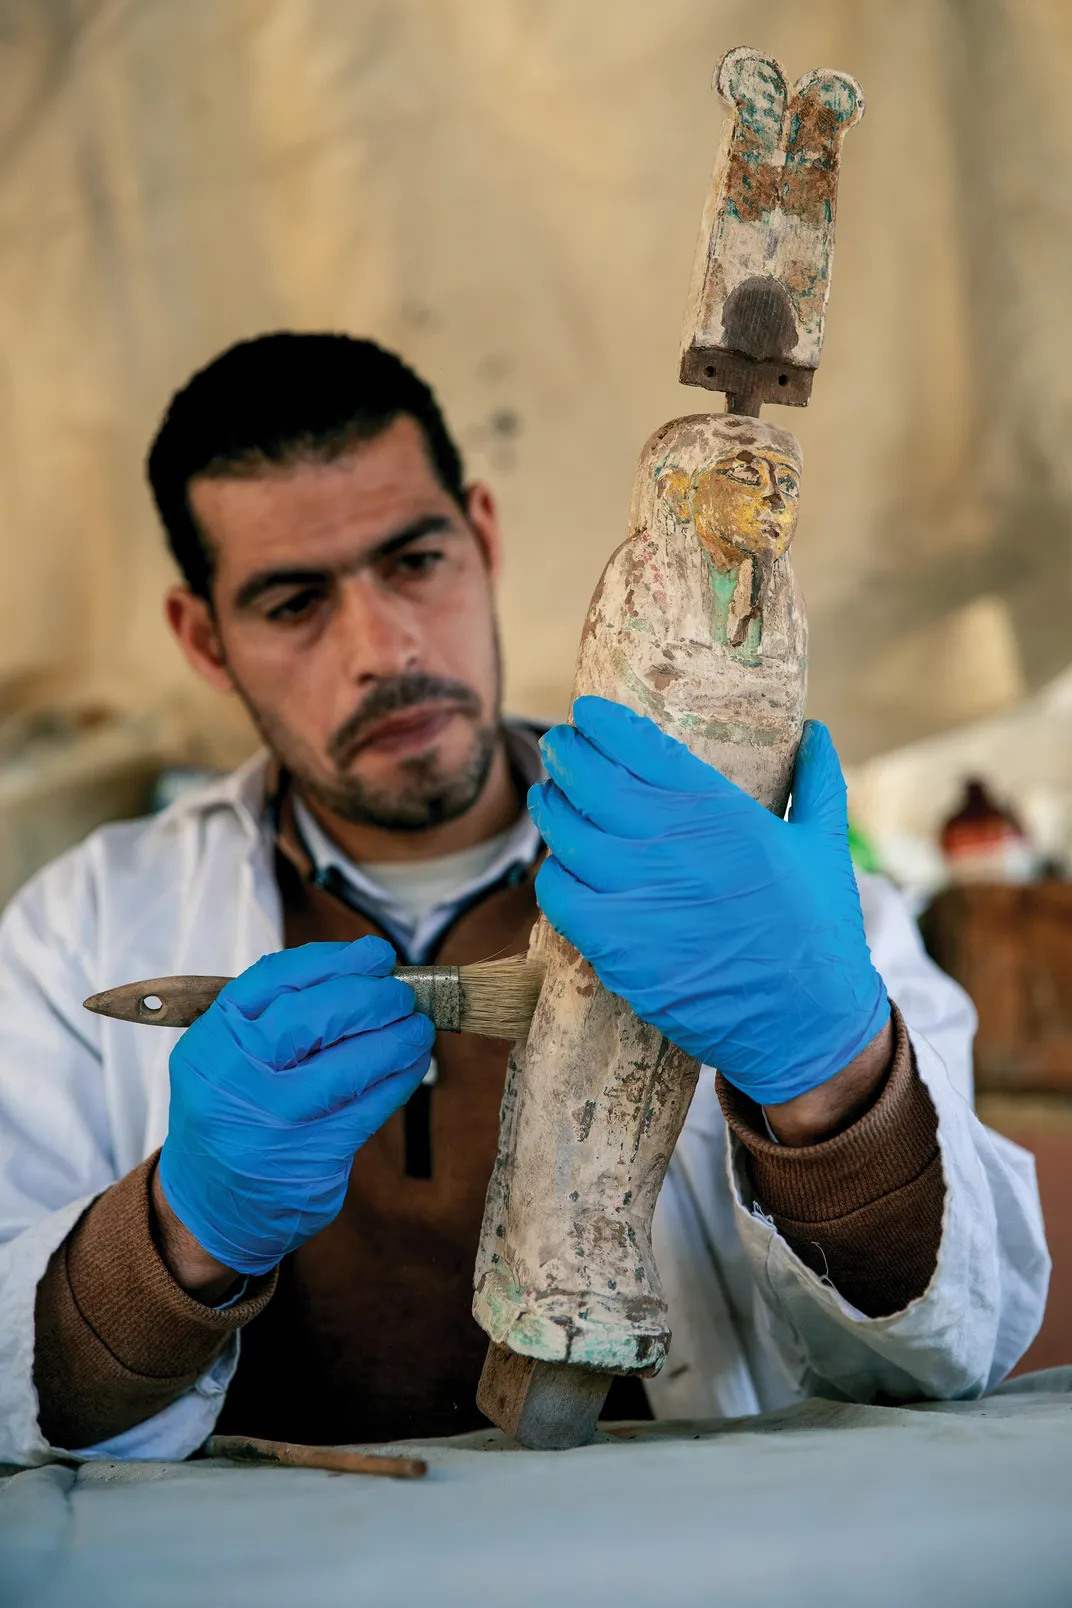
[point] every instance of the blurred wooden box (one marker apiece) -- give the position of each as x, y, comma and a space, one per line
1010, 947
1042, 1123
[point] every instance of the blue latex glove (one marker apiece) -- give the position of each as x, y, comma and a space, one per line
737, 934
274, 1089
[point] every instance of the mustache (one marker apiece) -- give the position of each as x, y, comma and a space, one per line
390, 695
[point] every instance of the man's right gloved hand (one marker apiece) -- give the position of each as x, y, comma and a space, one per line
275, 1088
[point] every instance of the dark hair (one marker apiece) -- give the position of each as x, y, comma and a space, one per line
276, 400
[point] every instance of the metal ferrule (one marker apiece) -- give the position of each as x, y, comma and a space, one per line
439, 993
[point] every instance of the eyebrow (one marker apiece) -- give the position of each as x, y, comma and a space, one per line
263, 581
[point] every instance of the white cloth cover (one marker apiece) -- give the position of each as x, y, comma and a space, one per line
821, 1503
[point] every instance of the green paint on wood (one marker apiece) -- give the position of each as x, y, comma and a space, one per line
723, 587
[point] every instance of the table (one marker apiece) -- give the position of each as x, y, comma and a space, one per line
823, 1503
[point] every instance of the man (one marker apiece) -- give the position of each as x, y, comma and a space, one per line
287, 1168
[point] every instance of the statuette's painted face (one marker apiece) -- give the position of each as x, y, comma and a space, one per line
743, 505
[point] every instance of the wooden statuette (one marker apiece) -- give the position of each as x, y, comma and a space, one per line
697, 622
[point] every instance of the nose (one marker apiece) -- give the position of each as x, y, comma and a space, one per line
772, 492
377, 633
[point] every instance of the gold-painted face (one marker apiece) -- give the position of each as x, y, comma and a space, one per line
742, 505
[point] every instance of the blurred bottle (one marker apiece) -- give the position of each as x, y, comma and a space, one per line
982, 842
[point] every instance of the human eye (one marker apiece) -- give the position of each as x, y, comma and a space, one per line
297, 606
421, 563
788, 483
415, 564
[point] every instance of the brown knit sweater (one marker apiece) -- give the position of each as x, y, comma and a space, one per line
864, 1208
366, 1333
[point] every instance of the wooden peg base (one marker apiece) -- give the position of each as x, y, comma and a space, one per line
546, 1406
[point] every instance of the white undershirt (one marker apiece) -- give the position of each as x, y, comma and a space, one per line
418, 886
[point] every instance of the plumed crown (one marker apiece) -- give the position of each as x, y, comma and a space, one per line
762, 273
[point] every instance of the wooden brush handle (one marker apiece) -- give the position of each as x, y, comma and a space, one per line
178, 1001
248, 1449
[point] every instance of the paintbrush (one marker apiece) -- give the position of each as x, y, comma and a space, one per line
494, 998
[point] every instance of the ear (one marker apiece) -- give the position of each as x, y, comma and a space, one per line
191, 619
483, 516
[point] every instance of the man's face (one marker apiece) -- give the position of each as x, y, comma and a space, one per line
353, 613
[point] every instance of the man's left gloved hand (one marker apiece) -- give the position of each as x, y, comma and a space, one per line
739, 935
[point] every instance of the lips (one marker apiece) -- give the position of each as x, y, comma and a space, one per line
406, 730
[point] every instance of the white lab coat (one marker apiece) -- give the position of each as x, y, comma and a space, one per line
84, 1099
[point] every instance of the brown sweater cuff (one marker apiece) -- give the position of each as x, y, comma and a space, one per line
865, 1207
116, 1338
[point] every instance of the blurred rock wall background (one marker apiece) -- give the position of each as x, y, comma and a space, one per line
508, 192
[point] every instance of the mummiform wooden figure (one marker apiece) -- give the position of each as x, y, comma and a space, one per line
697, 622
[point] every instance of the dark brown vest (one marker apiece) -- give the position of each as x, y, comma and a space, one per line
370, 1334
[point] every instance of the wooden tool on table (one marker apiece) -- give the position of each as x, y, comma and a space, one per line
697, 622
336, 1459
493, 999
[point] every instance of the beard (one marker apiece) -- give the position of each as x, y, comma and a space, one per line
427, 793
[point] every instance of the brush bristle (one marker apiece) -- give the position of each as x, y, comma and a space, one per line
499, 996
